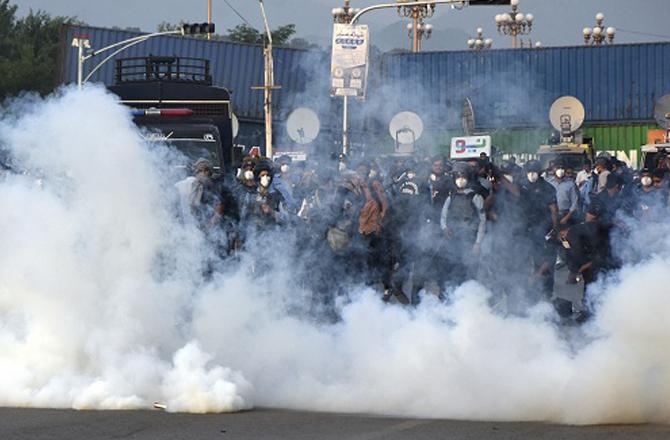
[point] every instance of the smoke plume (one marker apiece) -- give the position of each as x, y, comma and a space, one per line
103, 305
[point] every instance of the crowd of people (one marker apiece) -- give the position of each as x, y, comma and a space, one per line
413, 227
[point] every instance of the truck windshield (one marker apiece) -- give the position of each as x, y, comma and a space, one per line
195, 149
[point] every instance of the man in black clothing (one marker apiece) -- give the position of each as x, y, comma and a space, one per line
589, 254
540, 211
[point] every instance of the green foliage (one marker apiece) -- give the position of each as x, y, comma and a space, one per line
28, 50
282, 36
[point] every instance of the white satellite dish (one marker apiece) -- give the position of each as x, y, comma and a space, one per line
236, 125
406, 128
662, 112
468, 117
303, 125
567, 115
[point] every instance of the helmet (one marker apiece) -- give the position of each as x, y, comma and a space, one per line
533, 166
264, 165
461, 169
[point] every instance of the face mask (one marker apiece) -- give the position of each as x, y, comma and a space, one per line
646, 181
284, 168
532, 177
372, 174
597, 171
265, 181
560, 173
411, 175
433, 177
238, 173
461, 182
509, 178
248, 175
342, 166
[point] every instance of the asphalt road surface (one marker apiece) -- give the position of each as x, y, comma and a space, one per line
28, 424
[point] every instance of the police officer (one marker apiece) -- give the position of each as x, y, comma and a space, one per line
463, 223
540, 210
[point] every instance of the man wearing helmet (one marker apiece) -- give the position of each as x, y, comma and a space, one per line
463, 222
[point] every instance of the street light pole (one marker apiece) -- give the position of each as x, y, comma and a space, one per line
209, 17
269, 82
344, 15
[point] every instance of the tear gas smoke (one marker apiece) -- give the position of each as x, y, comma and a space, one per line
103, 305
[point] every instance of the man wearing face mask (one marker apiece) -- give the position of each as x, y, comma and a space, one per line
649, 201
436, 190
285, 183
463, 223
567, 196
270, 205
540, 211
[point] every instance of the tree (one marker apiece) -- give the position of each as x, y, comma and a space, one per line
243, 33
28, 50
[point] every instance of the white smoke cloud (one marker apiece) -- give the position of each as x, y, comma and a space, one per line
102, 305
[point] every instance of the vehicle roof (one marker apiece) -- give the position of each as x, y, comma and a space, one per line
563, 149
654, 148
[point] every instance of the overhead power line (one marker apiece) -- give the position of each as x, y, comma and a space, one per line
647, 34
238, 13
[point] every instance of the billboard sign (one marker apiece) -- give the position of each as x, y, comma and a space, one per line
349, 63
470, 147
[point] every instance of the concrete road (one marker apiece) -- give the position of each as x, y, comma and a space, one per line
29, 424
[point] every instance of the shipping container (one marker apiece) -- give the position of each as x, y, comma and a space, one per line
511, 89
516, 87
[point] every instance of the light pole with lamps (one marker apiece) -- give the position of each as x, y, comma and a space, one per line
418, 13
480, 43
514, 23
599, 35
423, 32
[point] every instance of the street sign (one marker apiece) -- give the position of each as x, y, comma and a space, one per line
349, 63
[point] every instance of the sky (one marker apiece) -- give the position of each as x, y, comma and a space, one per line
557, 22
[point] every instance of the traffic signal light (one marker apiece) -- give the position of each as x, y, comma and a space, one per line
197, 28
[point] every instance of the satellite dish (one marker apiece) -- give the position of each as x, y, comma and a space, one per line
468, 117
236, 125
662, 112
406, 128
303, 125
567, 115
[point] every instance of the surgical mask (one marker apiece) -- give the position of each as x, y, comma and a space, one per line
597, 171
284, 168
248, 175
372, 174
509, 178
238, 173
646, 181
433, 177
461, 182
411, 175
560, 173
265, 181
342, 166
532, 176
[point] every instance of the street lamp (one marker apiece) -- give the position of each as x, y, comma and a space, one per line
344, 14
418, 13
480, 43
514, 23
423, 31
599, 35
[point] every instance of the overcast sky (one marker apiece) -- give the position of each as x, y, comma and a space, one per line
557, 22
